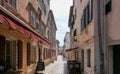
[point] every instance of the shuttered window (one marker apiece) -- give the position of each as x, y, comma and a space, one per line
87, 15
20, 54
2, 49
8, 52
13, 3
90, 8
28, 54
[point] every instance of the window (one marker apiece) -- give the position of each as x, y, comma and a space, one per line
32, 17
33, 54
85, 18
44, 53
82, 54
90, 9
75, 32
82, 23
2, 49
13, 3
88, 58
75, 13
20, 54
37, 23
73, 3
28, 54
48, 35
8, 50
81, 1
87, 15
42, 6
108, 6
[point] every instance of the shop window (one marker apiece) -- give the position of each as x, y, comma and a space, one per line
13, 3
20, 54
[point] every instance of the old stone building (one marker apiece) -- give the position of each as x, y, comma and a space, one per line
66, 44
51, 34
83, 22
23, 39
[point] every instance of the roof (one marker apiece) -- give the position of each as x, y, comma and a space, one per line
51, 13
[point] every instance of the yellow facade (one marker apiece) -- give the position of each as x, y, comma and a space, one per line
21, 17
14, 35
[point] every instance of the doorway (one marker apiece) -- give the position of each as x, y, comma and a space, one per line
8, 54
116, 59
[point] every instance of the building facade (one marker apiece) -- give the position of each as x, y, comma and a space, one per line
111, 32
73, 51
57, 47
51, 34
83, 23
66, 43
23, 39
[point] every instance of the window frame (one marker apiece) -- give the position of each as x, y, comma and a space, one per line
32, 16
12, 4
88, 58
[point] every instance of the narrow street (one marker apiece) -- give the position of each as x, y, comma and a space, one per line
58, 67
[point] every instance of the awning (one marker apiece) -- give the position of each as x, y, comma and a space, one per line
71, 49
16, 26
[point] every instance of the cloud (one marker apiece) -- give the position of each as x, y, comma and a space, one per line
60, 9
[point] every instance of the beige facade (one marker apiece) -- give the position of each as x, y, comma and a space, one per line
82, 27
112, 36
66, 43
97, 35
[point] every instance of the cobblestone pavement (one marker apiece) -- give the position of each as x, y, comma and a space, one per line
58, 67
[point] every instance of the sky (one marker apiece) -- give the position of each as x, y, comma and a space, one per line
60, 10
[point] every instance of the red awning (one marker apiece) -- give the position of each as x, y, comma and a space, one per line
1, 19
22, 30
72, 49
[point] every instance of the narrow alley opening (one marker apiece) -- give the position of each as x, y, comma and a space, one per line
57, 67
59, 36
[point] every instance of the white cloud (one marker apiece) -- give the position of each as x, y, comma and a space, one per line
61, 13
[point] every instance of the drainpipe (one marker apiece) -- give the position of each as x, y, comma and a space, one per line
102, 35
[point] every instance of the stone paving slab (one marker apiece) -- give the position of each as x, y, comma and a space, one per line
58, 67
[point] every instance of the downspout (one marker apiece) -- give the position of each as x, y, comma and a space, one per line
102, 35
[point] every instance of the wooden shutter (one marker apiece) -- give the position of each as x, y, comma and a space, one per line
20, 55
14, 54
28, 54
2, 48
